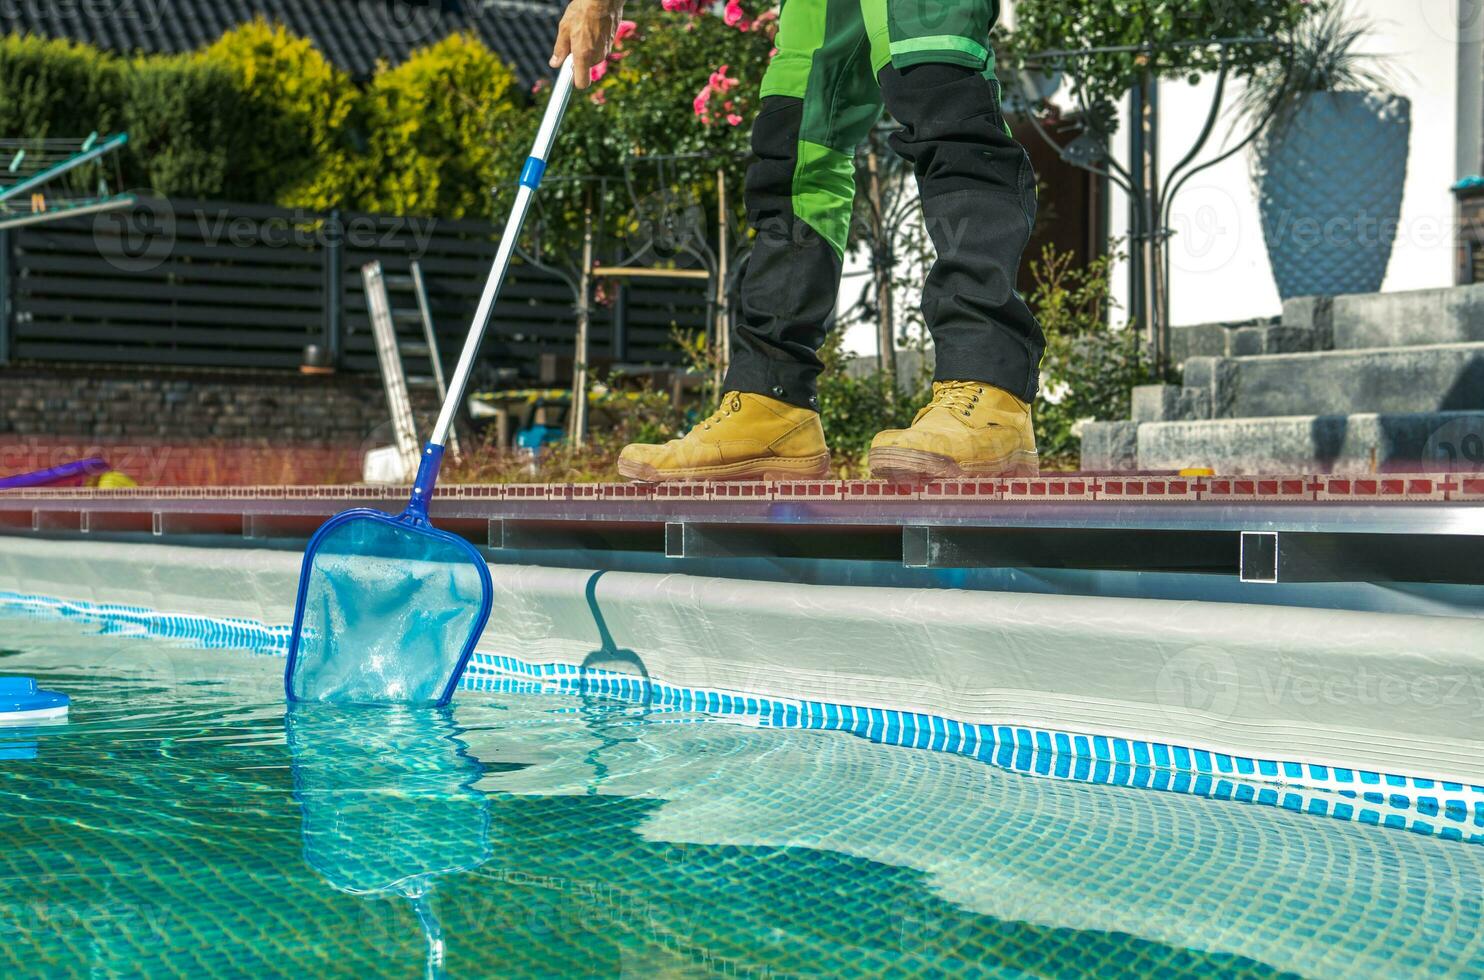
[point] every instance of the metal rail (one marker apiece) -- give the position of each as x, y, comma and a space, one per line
1412, 528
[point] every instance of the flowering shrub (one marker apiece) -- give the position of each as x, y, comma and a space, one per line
714, 92
680, 84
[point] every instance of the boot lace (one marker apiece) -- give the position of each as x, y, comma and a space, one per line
729, 405
958, 397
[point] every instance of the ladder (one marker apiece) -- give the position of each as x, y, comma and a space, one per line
393, 352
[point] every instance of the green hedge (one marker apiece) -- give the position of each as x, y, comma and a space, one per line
441, 130
298, 116
187, 124
261, 116
57, 88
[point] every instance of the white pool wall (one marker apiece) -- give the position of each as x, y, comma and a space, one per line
1399, 693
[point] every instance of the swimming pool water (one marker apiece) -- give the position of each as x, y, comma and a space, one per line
182, 824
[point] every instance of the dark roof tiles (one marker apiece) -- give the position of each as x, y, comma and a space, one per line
353, 34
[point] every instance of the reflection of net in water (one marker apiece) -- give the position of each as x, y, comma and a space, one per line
159, 834
388, 614
388, 803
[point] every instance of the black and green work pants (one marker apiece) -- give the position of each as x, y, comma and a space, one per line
929, 64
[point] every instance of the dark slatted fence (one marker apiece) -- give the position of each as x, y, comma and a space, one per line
225, 285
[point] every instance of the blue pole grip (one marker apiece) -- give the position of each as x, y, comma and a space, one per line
427, 478
530, 174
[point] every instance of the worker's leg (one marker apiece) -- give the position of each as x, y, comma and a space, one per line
978, 200
819, 99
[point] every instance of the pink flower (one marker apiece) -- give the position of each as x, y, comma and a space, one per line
596, 72
598, 97
626, 29
720, 82
717, 85
735, 16
682, 6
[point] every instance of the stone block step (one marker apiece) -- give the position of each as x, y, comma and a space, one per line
1388, 380
1417, 317
1350, 444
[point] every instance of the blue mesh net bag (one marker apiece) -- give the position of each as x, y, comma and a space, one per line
389, 607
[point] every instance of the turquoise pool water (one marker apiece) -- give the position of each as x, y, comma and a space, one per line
181, 824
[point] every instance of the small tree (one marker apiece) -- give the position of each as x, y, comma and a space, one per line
1135, 39
292, 148
441, 130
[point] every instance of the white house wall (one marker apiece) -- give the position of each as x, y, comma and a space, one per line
1219, 266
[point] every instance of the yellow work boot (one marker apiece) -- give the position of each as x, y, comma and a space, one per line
751, 437
969, 429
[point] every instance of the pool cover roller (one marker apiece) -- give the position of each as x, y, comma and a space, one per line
390, 607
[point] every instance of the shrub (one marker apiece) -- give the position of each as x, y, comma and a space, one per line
300, 105
1167, 37
1090, 368
55, 88
188, 126
440, 132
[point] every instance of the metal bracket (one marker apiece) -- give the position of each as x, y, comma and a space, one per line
761, 540
935, 546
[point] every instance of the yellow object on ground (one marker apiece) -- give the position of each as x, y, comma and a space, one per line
751, 437
969, 429
1197, 471
114, 480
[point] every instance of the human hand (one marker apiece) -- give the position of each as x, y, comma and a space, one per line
586, 33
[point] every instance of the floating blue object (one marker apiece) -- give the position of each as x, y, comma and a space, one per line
22, 702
